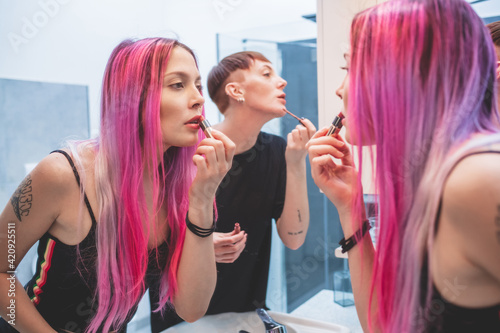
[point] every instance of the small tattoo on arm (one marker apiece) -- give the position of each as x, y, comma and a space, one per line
295, 233
21, 199
300, 219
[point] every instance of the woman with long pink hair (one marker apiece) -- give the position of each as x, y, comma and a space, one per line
421, 89
104, 237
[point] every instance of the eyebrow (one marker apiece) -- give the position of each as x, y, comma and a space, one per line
267, 66
184, 75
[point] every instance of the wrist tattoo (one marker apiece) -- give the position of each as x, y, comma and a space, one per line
497, 223
295, 233
298, 211
22, 198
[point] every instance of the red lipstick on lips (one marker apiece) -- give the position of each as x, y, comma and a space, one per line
193, 121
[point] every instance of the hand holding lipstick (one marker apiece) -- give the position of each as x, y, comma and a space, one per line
337, 180
228, 246
213, 159
297, 139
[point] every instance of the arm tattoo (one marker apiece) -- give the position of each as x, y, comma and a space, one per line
300, 219
295, 233
21, 199
497, 223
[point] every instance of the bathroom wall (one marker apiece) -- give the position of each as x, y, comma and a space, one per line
36, 118
69, 41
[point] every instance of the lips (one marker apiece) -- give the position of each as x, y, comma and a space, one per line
282, 96
194, 120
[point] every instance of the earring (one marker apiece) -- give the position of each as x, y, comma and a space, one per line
241, 100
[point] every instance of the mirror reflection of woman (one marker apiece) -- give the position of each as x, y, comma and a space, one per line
103, 242
267, 181
421, 88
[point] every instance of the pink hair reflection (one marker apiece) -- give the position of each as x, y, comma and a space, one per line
422, 79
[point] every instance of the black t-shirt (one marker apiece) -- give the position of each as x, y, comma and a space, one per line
251, 194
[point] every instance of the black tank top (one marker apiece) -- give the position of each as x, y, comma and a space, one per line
444, 316
63, 286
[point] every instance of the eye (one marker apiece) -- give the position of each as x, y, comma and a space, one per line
345, 68
268, 74
177, 85
199, 87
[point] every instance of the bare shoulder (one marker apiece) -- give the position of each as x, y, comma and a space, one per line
36, 204
474, 180
471, 207
50, 181
55, 172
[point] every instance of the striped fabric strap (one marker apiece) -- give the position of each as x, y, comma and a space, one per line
44, 269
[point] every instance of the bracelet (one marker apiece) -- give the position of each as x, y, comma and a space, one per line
198, 231
349, 243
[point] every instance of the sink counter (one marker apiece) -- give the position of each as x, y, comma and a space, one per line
249, 321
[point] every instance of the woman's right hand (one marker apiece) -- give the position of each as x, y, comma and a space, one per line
213, 159
337, 180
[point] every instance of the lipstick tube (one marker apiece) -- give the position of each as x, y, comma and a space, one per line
206, 128
336, 125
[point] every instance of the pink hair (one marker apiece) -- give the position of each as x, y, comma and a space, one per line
422, 80
128, 148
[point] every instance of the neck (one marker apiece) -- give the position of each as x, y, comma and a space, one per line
242, 125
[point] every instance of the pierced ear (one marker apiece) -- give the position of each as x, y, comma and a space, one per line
234, 91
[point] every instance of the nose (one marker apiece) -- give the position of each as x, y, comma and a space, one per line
198, 100
340, 90
282, 83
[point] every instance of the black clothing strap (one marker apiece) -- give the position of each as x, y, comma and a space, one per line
77, 176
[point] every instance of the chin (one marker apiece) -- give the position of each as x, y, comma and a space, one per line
188, 142
278, 112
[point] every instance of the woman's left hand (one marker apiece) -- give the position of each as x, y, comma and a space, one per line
297, 139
